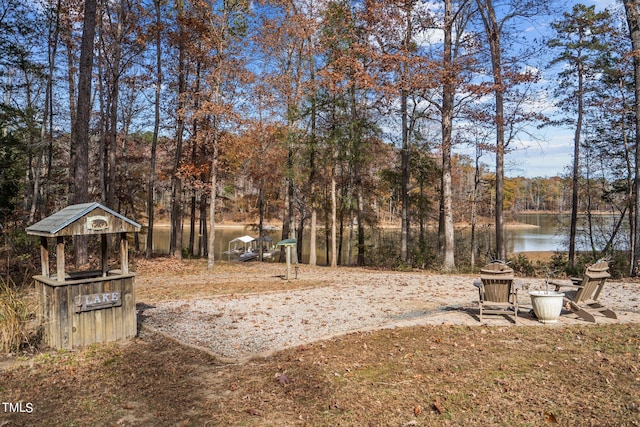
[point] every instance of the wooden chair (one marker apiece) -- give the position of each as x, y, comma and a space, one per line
583, 299
496, 291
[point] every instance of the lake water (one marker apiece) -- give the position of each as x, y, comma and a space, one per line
542, 238
549, 234
552, 233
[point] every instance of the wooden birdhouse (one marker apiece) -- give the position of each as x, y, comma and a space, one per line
85, 307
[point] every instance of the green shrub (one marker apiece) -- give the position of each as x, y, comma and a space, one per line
559, 262
523, 266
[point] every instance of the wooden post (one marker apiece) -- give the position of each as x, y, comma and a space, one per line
124, 253
105, 254
44, 256
288, 262
60, 259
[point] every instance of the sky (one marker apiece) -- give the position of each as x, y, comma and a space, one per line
546, 158
551, 154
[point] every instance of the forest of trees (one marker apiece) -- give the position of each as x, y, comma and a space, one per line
331, 116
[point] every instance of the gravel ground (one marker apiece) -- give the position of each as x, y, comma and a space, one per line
238, 327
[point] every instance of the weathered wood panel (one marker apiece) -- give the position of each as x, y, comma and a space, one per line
129, 307
60, 259
82, 323
110, 322
66, 328
55, 319
44, 256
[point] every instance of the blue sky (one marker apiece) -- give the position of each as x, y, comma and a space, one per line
546, 158
551, 154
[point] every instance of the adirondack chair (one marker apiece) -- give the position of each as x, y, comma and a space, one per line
496, 291
583, 299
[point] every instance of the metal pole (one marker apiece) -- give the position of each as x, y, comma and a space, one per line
288, 262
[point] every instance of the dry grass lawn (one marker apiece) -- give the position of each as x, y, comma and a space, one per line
582, 375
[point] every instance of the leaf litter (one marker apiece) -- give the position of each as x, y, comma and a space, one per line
455, 375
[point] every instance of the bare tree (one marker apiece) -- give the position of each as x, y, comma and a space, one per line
632, 9
81, 138
496, 18
156, 129
580, 40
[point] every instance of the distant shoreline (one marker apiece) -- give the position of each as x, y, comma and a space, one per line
534, 256
458, 226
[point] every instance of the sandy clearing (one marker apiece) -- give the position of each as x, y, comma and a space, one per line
238, 327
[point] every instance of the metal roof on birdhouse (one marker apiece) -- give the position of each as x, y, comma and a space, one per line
83, 219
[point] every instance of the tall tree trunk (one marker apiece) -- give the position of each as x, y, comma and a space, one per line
156, 128
81, 141
357, 156
73, 110
104, 122
448, 89
104, 130
334, 220
474, 203
327, 231
493, 34
194, 160
300, 237
349, 198
350, 239
405, 233
203, 234
212, 208
175, 245
313, 226
261, 221
286, 223
404, 166
422, 238
113, 114
312, 172
192, 223
340, 229
441, 216
630, 208
47, 115
31, 171
360, 219
127, 171
633, 19
575, 178
291, 194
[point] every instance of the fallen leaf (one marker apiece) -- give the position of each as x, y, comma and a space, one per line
417, 410
438, 406
283, 379
254, 412
550, 418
